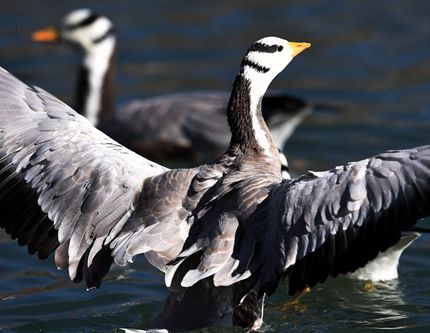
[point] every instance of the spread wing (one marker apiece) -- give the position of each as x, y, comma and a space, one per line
330, 223
64, 185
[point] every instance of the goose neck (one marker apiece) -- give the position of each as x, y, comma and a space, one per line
248, 128
95, 93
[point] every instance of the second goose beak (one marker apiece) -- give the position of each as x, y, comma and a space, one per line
49, 34
298, 47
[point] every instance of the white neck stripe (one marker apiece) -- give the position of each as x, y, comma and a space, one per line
258, 86
97, 63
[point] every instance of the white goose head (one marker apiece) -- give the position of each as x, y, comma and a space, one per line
266, 58
82, 27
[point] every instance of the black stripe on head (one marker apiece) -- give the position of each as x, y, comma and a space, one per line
85, 22
110, 32
261, 47
257, 67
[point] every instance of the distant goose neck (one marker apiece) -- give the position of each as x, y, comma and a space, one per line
248, 129
95, 91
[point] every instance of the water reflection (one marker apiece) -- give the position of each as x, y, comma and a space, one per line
382, 304
344, 303
40, 281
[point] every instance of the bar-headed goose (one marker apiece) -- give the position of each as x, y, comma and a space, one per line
224, 233
184, 125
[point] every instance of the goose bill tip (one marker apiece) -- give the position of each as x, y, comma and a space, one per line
49, 34
299, 47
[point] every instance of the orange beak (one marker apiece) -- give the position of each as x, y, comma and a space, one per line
49, 34
298, 47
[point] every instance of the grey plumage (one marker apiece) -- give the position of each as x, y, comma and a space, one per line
334, 222
126, 204
54, 154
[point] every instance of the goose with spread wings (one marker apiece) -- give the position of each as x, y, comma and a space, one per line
183, 125
225, 234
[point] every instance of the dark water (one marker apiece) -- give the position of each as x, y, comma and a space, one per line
369, 59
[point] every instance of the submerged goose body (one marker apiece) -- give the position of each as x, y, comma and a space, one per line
185, 125
223, 233
384, 266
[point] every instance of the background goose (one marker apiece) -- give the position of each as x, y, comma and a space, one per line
228, 230
186, 125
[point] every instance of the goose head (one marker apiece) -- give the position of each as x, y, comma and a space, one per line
83, 28
266, 58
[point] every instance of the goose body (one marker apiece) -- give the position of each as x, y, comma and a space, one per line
183, 125
223, 233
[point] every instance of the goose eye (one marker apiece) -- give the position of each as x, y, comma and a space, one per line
280, 48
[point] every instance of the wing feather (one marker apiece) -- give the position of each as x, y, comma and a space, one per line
330, 223
64, 184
